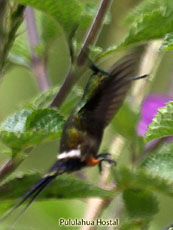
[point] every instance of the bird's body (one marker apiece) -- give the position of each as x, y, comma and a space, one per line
83, 131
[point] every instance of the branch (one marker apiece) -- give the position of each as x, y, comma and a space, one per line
96, 206
94, 30
38, 63
91, 37
140, 89
11, 17
10, 166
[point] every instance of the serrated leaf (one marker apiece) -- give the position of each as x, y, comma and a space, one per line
140, 203
150, 22
142, 179
44, 99
65, 186
47, 120
168, 42
25, 129
66, 13
16, 122
162, 124
146, 7
161, 162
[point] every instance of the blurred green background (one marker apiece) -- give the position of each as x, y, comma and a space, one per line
19, 86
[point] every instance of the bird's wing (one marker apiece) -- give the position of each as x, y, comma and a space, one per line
105, 94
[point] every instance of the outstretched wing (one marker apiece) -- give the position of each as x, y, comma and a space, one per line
105, 94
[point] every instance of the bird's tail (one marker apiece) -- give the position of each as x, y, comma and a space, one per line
60, 167
29, 196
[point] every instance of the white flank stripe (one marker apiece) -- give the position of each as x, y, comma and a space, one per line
71, 154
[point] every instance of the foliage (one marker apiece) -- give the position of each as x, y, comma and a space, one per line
155, 16
27, 128
142, 172
161, 125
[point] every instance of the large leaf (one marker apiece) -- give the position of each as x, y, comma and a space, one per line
66, 13
49, 29
123, 124
27, 128
162, 124
142, 179
150, 20
44, 99
65, 186
146, 7
140, 203
161, 162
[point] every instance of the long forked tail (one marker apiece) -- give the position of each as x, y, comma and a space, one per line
60, 167
30, 195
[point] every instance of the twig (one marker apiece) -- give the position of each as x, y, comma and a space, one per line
96, 206
140, 89
146, 67
94, 30
38, 63
92, 35
10, 22
9, 167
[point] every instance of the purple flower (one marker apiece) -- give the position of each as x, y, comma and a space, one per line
150, 106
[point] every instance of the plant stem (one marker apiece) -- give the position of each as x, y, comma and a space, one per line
94, 30
11, 17
38, 63
91, 37
10, 166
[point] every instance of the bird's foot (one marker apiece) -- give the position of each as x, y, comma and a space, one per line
99, 159
104, 157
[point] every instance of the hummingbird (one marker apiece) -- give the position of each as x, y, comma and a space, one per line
83, 130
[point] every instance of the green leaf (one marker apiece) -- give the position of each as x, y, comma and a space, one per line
168, 42
151, 21
28, 128
146, 7
44, 99
65, 186
161, 162
162, 124
16, 122
123, 124
141, 179
46, 120
19, 53
73, 98
66, 13
140, 203
49, 29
